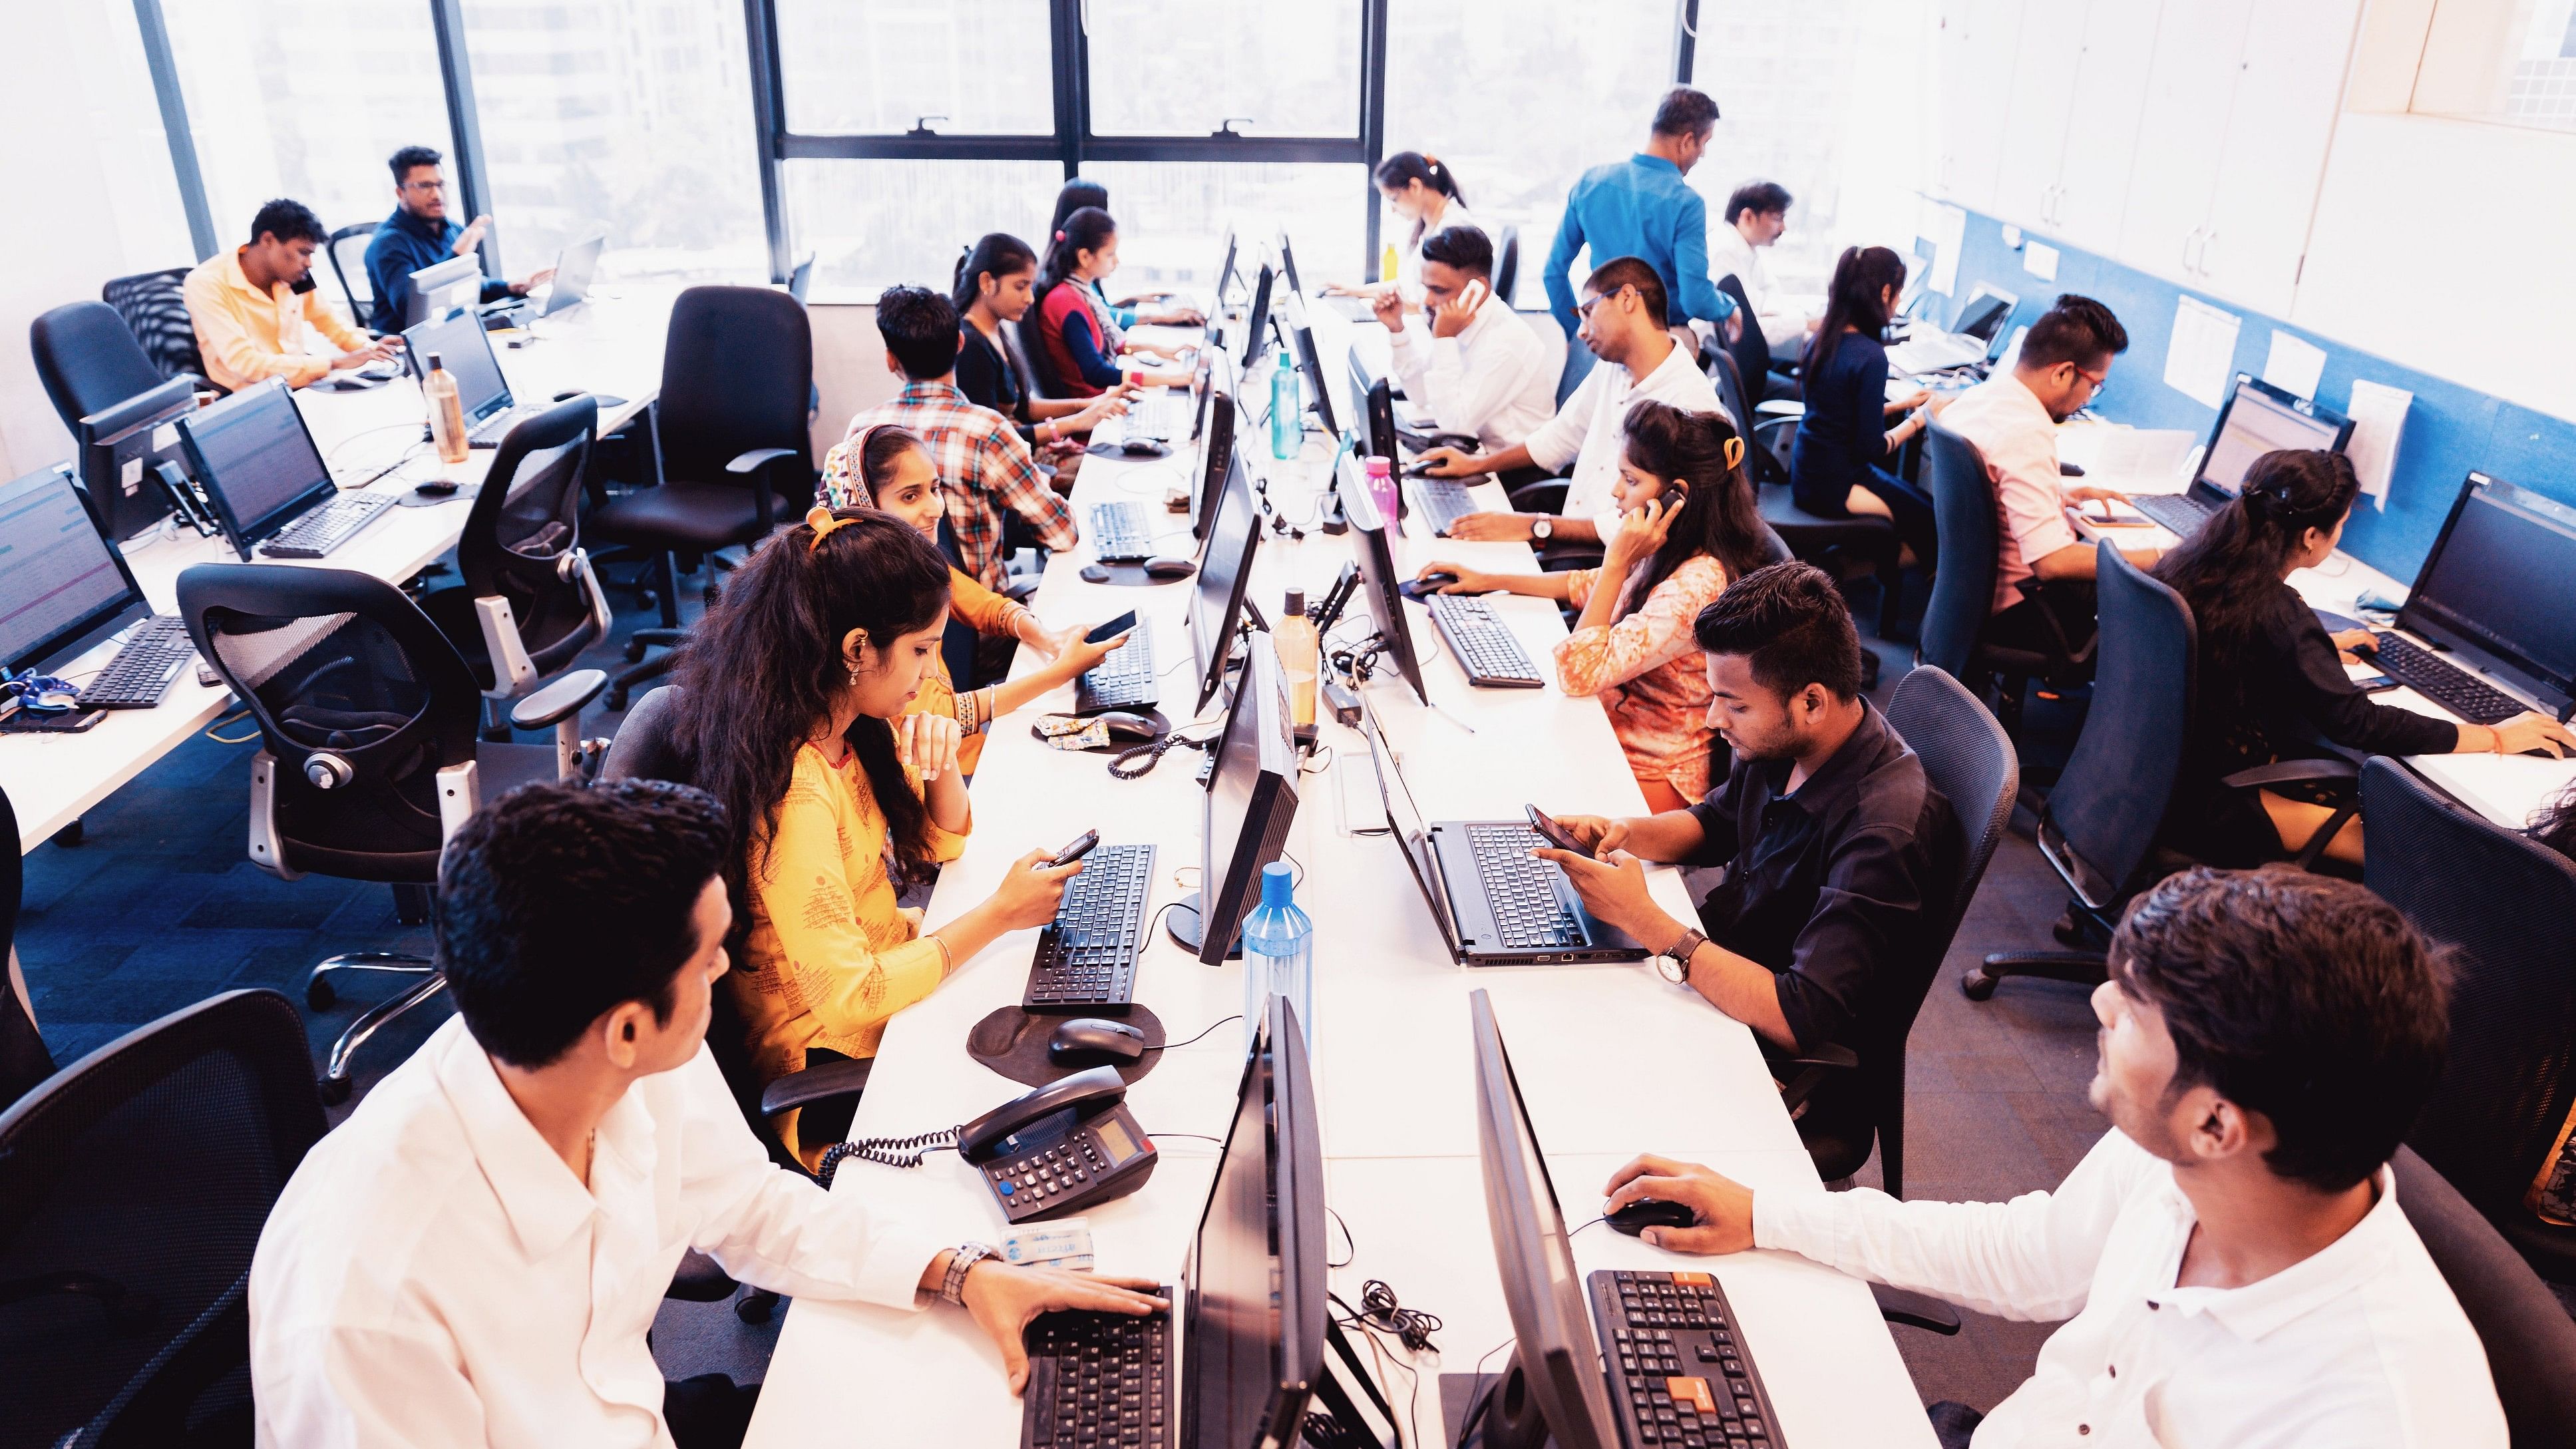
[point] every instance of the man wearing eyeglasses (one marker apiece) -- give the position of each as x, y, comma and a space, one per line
419, 234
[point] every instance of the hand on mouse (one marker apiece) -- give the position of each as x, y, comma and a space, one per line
2525, 731
1449, 463
1724, 1208
1467, 580
1031, 891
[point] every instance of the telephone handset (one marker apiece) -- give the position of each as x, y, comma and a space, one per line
1060, 1149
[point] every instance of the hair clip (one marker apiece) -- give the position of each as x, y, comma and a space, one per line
1734, 454
819, 518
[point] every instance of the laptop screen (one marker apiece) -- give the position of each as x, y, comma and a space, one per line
57, 577
2258, 420
254, 455
462, 347
2498, 578
1404, 818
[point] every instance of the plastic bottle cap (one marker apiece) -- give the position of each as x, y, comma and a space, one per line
1296, 603
1378, 467
433, 362
1276, 882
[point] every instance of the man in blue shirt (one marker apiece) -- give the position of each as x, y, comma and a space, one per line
1641, 207
419, 235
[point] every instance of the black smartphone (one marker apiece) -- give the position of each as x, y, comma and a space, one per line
1553, 833
1113, 628
2376, 683
1076, 851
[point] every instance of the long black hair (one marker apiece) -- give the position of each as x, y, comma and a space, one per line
1077, 194
1858, 299
1088, 229
1718, 515
1405, 167
2233, 561
997, 254
765, 664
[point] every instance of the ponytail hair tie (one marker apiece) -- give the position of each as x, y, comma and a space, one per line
819, 518
1059, 236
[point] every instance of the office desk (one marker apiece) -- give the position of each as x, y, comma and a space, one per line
611, 346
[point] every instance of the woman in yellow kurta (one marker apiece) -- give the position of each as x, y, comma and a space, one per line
793, 715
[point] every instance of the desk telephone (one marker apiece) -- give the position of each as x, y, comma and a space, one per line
1061, 1149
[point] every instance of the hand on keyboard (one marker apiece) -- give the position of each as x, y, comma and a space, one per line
1077, 657
1005, 1299
2533, 734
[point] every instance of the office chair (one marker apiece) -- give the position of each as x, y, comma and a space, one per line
1845, 548
368, 755
2530, 1342
133, 1186
1578, 366
156, 311
347, 250
88, 360
1752, 353
730, 442
1953, 637
1043, 379
23, 1059
529, 603
1507, 263
2501, 901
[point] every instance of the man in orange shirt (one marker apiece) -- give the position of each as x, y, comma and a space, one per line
251, 306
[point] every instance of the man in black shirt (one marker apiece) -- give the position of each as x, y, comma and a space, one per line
1835, 886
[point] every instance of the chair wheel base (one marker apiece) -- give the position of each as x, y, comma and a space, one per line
1976, 985
318, 994
635, 651
71, 835
755, 1306
614, 700
334, 1090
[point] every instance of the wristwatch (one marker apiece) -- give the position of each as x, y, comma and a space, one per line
1674, 964
1541, 529
965, 1256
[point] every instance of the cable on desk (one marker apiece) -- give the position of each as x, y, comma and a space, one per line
1602, 1219
904, 1152
1127, 766
1354, 1243
234, 718
1484, 1400
1315, 767
1167, 1046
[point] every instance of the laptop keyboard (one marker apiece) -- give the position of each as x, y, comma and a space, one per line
1125, 679
2179, 512
327, 527
1121, 532
2443, 682
1520, 890
143, 668
1086, 958
1443, 500
1098, 1379
1681, 1374
1487, 650
489, 432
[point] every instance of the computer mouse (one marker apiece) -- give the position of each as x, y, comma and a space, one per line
1169, 568
436, 488
1125, 726
1143, 448
1647, 1212
1430, 583
1093, 573
1089, 1041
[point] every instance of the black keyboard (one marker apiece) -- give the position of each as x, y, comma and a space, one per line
143, 668
1086, 959
327, 527
1443, 500
1098, 1379
2179, 512
1124, 679
1521, 890
2441, 681
1487, 650
1121, 532
1679, 1371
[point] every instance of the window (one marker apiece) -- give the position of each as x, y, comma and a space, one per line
632, 117
105, 96
2512, 62
1781, 71
876, 67
1172, 218
1184, 67
871, 224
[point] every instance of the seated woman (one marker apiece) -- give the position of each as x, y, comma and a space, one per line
1074, 325
1133, 310
996, 283
2272, 681
886, 467
793, 717
1422, 191
1838, 465
1688, 527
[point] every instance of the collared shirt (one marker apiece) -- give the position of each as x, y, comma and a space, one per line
405, 244
1589, 430
1408, 257
1729, 254
245, 334
1639, 208
983, 469
2358, 1346
2019, 440
434, 1274
1492, 380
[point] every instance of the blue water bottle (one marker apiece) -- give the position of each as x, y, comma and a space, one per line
1287, 411
1278, 955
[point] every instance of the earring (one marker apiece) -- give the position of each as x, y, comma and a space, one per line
854, 674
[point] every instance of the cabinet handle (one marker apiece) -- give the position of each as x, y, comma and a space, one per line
2188, 239
2205, 240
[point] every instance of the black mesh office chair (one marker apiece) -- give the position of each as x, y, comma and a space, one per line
1845, 548
1953, 638
156, 312
88, 360
2502, 902
1043, 379
347, 250
368, 758
1752, 353
730, 443
2530, 1342
23, 1059
1507, 264
133, 1186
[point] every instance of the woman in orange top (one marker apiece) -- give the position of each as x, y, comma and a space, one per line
795, 686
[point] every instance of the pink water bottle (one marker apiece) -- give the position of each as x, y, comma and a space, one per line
1381, 486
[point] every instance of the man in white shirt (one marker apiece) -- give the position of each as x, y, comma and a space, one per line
1622, 320
1756, 215
2231, 1258
474, 1257
1482, 371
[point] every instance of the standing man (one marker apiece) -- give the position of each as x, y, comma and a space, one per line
251, 305
419, 234
1483, 372
1641, 207
1755, 216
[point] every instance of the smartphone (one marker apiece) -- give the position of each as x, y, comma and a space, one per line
1113, 628
1081, 847
1553, 833
1473, 295
2376, 683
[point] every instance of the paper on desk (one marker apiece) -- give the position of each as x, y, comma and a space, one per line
1946, 227
2295, 364
2040, 260
2378, 414
2203, 349
2141, 456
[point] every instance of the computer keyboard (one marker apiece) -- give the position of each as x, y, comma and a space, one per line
1520, 889
1098, 1379
2441, 681
2179, 512
143, 668
1443, 500
1161, 416
1680, 1373
1125, 679
1487, 650
327, 527
1121, 532
1086, 957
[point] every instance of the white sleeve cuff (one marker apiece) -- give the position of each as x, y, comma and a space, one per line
1796, 1221
890, 1275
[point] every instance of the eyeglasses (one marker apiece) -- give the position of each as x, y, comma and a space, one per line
2097, 383
424, 186
1584, 309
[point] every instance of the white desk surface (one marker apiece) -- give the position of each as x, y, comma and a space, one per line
611, 346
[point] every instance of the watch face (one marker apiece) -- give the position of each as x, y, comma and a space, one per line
1541, 528
1673, 969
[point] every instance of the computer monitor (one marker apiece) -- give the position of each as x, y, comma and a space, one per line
1251, 801
1225, 571
1253, 1288
1378, 577
2257, 419
1256, 320
1555, 1355
574, 267
122, 449
1404, 821
441, 291
464, 349
1983, 315
1310, 363
1216, 460
1288, 264
64, 588
256, 461
1226, 276
2495, 587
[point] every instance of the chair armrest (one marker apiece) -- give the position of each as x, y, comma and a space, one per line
2038, 588
1915, 1310
560, 700
512, 673
702, 1279
2281, 771
816, 1084
1780, 407
2068, 470
1815, 1069
764, 497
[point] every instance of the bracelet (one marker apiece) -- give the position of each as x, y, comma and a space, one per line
966, 1256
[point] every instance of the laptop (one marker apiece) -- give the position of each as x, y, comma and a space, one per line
481, 390
1498, 905
65, 590
1979, 332
2257, 419
574, 267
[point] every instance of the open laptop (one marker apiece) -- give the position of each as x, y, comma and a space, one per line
482, 391
2257, 419
1975, 338
574, 267
1497, 904
65, 590
256, 460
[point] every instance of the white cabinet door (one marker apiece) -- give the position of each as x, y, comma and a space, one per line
1978, 38
2287, 97
2036, 119
2191, 82
2109, 96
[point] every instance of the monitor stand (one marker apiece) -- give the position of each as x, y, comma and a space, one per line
1511, 1417
1181, 923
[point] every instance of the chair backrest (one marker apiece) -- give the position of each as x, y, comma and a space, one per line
525, 521
1969, 759
156, 311
133, 1187
643, 748
1728, 379
1750, 349
737, 374
1507, 263
1016, 353
1578, 366
1963, 515
360, 700
348, 252
88, 360
1030, 349
2502, 901
2120, 778
2529, 1339
23, 1059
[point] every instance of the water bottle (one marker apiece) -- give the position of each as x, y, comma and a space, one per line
1278, 955
1287, 411
1382, 489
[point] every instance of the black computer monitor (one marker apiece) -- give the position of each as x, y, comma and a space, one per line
464, 351
2257, 419
1555, 1355
1984, 313
1373, 412
1378, 577
1288, 264
1253, 1289
1310, 366
1251, 801
1216, 460
1225, 571
1256, 320
122, 449
64, 588
256, 461
443, 289
1226, 277
2495, 587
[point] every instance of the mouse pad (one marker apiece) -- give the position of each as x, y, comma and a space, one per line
411, 497
1126, 575
1119, 450
1014, 1043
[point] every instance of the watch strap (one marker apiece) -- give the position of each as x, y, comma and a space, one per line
964, 1257
1684, 949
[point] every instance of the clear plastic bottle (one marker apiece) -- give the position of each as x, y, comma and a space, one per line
446, 414
1300, 652
1287, 410
1278, 955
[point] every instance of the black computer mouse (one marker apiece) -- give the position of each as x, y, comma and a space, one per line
1647, 1212
1093, 573
1090, 1041
1430, 583
1125, 726
436, 488
1169, 568
1143, 448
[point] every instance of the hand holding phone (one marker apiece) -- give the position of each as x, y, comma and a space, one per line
1553, 833
1081, 846
1112, 629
